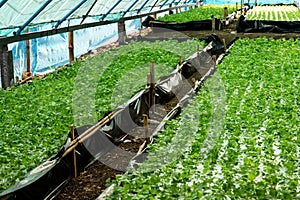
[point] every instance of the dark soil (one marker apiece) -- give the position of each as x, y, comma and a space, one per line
90, 183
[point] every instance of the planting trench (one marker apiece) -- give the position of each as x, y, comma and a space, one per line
115, 139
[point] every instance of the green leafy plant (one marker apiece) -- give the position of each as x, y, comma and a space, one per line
257, 153
201, 13
35, 117
274, 13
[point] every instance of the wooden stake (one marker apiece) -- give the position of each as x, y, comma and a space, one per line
5, 76
214, 59
28, 53
141, 147
71, 46
213, 23
152, 86
145, 119
74, 150
148, 80
224, 44
121, 32
180, 59
10, 63
225, 12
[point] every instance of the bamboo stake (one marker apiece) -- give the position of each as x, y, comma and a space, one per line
225, 13
88, 133
213, 23
180, 59
74, 152
141, 147
28, 53
214, 58
224, 44
152, 86
145, 119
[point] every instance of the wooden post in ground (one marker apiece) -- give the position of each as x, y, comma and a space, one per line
6, 76
225, 13
10, 63
213, 23
214, 57
154, 15
152, 86
224, 44
121, 32
71, 46
141, 21
28, 53
74, 151
180, 59
146, 130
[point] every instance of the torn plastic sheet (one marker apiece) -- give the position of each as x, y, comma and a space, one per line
264, 26
46, 181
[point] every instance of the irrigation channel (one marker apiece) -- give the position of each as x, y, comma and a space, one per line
75, 173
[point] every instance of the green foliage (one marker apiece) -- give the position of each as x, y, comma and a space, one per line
201, 13
35, 118
274, 13
258, 150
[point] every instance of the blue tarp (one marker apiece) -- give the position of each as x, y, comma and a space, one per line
52, 51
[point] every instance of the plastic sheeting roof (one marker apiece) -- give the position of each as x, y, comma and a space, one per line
45, 14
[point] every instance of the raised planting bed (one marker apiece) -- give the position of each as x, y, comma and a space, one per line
201, 13
274, 13
36, 117
277, 19
194, 19
239, 139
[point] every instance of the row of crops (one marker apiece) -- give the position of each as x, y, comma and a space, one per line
238, 138
201, 13
35, 118
274, 13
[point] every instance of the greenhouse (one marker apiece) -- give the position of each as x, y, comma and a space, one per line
149, 99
